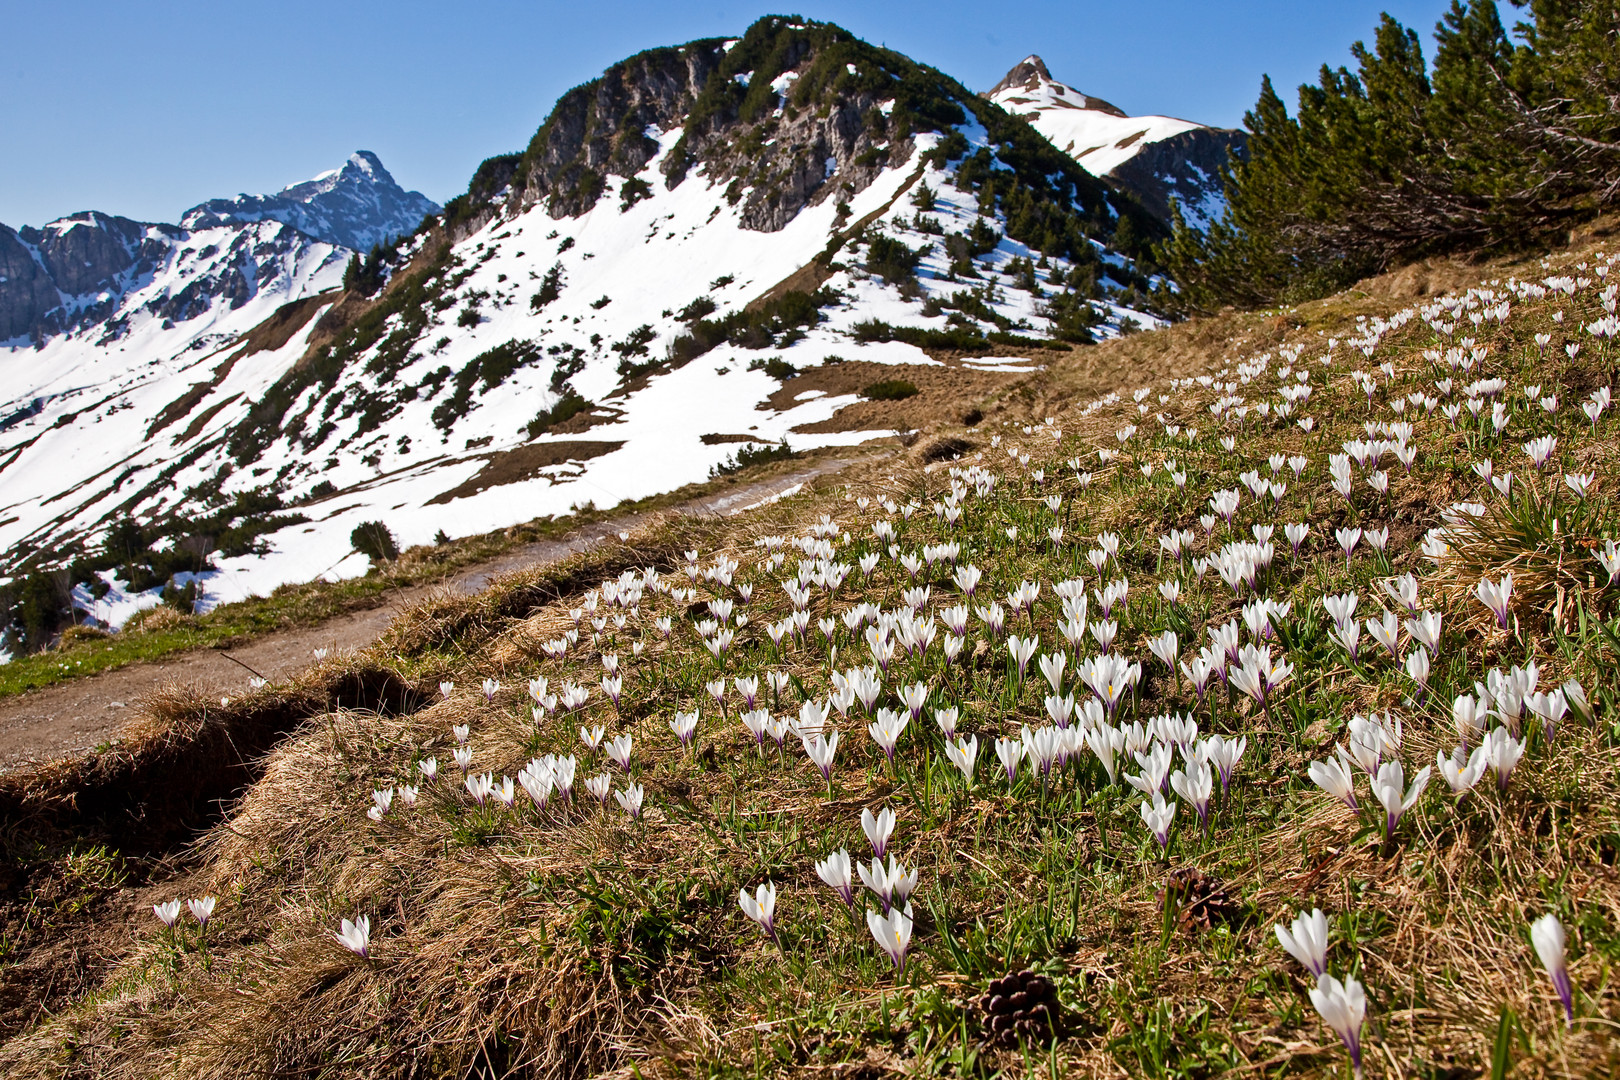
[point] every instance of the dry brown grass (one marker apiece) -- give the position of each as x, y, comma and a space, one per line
154, 619
577, 943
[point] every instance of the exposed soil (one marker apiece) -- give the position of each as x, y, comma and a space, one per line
525, 463
71, 718
947, 392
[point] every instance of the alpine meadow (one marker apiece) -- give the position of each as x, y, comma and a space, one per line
808, 569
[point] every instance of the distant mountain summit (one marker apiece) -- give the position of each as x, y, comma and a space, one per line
1030, 77
1157, 158
354, 207
99, 273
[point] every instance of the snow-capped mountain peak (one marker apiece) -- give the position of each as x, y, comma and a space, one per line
355, 206
95, 275
1029, 85
1157, 158
1097, 134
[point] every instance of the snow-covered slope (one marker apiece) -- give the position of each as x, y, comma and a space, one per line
654, 285
1156, 157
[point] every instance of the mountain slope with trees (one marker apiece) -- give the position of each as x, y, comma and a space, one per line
535, 347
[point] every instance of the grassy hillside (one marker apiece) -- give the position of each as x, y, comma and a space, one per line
1115, 542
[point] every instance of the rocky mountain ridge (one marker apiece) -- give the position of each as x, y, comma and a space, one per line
77, 274
356, 206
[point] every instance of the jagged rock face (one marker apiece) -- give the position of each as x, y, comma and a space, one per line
86, 251
70, 273
354, 207
782, 165
26, 290
745, 123
599, 129
1186, 168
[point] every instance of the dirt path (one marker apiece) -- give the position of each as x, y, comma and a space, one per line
73, 717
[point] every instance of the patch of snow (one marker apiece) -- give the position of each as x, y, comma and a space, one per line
769, 499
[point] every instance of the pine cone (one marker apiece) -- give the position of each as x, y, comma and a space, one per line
1021, 1005
1201, 899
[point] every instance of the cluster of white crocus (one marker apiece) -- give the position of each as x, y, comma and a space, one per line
943, 605
201, 909
891, 884
1373, 746
1506, 699
1422, 628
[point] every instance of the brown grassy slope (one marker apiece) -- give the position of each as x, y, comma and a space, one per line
569, 944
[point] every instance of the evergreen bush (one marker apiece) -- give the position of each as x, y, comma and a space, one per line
1500, 144
890, 390
374, 540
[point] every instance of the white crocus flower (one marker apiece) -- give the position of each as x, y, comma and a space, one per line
1157, 815
1011, 753
1502, 753
821, 752
835, 870
1307, 941
892, 932
964, 754
878, 828
761, 907
1388, 787
1224, 754
1343, 1006
356, 936
1196, 786
1106, 741
1335, 778
1461, 770
631, 799
1547, 935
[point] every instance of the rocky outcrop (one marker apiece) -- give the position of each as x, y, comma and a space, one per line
86, 252
1185, 167
26, 289
599, 130
747, 123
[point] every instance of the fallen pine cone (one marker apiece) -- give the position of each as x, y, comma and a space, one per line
1021, 1005
1201, 899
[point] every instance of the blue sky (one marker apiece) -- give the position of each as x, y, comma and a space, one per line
144, 109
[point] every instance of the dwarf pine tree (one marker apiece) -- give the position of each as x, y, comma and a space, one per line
1500, 144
